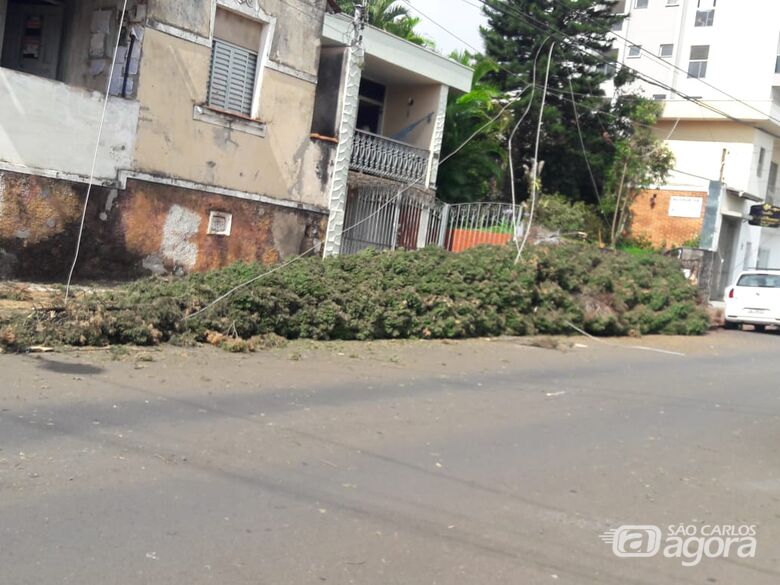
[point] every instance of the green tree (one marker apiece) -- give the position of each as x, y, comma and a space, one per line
392, 16
641, 159
518, 36
475, 172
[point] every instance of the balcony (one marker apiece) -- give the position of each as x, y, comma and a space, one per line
387, 158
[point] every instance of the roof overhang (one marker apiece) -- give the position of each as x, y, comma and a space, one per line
390, 59
744, 195
747, 112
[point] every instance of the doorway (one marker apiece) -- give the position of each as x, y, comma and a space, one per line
32, 37
727, 247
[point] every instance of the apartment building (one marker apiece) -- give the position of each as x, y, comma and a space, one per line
715, 65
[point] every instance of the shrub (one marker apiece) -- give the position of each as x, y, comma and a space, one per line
557, 212
374, 295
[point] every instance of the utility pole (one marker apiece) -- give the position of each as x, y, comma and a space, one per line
349, 103
359, 21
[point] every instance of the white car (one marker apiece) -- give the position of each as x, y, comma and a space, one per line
754, 300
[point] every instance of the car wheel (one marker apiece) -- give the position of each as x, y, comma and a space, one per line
730, 325
760, 328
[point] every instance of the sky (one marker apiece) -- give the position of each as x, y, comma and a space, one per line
456, 16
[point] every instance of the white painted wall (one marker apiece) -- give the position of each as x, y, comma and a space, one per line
770, 241
743, 46
47, 126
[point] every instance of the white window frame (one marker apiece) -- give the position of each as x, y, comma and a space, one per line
661, 51
672, 3
706, 61
609, 68
709, 19
645, 4
268, 22
630, 48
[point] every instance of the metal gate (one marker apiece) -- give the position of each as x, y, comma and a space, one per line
378, 217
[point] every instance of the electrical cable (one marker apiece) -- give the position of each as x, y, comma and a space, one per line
95, 155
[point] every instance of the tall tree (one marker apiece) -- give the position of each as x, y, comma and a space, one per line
518, 37
392, 16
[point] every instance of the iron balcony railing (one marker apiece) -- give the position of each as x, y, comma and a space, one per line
388, 158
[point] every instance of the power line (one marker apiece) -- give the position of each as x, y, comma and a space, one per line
512, 186
442, 27
95, 154
648, 79
582, 144
535, 164
672, 66
562, 96
546, 28
400, 192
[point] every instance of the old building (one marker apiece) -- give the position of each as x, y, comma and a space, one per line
228, 134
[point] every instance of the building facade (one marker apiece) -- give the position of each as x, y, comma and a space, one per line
228, 132
722, 55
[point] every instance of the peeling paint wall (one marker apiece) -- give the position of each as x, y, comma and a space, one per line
38, 224
193, 16
167, 228
280, 160
283, 164
90, 35
298, 32
52, 126
148, 228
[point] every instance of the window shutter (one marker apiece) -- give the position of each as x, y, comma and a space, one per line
232, 78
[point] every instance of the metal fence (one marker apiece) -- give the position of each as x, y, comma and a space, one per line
378, 217
475, 224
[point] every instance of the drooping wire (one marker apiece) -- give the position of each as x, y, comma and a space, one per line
535, 164
95, 154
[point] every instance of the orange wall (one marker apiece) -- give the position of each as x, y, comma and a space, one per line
651, 220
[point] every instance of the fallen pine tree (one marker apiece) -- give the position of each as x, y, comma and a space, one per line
386, 295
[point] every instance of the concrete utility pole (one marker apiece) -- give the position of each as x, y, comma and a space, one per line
360, 22
349, 102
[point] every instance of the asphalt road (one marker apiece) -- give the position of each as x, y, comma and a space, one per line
481, 462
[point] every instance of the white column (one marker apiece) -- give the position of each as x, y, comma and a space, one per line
338, 185
436, 138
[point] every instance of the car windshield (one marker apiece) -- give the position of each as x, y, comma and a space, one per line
760, 280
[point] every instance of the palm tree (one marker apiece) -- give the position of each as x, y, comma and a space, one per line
392, 16
476, 172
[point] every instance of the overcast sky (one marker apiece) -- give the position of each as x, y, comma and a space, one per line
454, 15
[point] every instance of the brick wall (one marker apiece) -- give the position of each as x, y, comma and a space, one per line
651, 219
